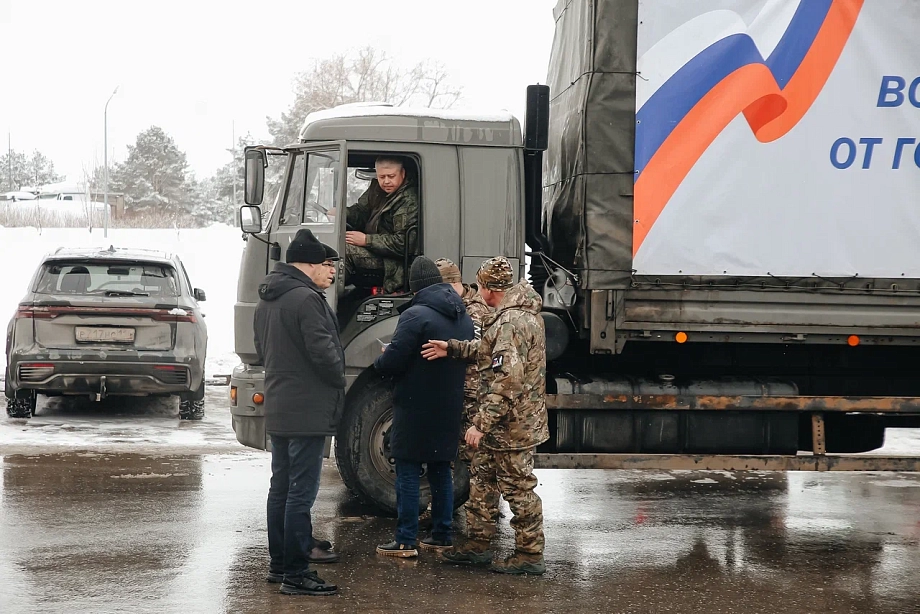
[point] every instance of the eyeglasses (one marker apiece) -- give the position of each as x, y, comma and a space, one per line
331, 265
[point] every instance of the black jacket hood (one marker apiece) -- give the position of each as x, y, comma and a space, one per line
282, 280
441, 298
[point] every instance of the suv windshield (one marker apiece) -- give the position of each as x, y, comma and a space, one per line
108, 279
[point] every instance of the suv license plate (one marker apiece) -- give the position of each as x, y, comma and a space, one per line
91, 334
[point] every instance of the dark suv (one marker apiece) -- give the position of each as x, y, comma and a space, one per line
120, 322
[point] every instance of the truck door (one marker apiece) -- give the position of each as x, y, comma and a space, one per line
314, 193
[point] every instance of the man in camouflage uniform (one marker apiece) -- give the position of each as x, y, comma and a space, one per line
479, 311
510, 422
376, 245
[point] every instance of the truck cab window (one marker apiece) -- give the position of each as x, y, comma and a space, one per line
311, 194
359, 179
320, 191
292, 214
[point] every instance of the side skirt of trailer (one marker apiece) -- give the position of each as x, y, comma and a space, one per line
816, 461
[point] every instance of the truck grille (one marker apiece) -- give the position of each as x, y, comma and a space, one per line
35, 372
169, 374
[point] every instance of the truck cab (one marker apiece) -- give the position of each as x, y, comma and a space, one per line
468, 171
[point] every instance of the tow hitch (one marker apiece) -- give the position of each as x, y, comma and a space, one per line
101, 394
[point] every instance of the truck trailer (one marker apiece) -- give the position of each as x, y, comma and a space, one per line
716, 205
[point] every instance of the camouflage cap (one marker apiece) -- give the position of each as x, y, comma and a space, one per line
450, 272
496, 274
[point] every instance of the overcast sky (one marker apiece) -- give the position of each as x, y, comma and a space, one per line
196, 67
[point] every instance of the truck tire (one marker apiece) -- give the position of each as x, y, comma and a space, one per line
847, 434
853, 434
362, 451
21, 405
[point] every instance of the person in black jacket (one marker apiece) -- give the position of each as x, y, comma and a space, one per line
428, 404
297, 340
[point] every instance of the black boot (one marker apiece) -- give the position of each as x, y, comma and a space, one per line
322, 556
307, 584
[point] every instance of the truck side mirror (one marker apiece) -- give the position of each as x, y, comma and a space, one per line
536, 118
251, 219
255, 162
200, 295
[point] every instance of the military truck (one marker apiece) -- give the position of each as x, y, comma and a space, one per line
730, 268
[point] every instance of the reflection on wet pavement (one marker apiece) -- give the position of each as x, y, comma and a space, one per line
121, 424
106, 532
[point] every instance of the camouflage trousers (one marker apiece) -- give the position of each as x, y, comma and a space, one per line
360, 261
509, 474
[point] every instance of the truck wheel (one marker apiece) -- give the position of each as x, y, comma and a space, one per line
853, 434
21, 405
362, 451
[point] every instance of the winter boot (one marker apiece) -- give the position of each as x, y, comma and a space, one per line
398, 550
307, 584
472, 553
521, 563
436, 545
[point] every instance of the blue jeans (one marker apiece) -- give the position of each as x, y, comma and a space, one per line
296, 466
407, 500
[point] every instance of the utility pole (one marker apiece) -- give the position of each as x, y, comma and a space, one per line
9, 158
234, 162
105, 156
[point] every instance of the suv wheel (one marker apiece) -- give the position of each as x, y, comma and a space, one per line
191, 410
191, 405
21, 406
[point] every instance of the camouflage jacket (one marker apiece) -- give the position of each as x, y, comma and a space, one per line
511, 361
479, 311
397, 212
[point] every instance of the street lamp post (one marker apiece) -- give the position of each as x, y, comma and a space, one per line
105, 141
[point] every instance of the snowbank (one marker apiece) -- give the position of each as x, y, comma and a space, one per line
211, 257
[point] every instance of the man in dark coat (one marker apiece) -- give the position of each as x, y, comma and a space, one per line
427, 407
297, 340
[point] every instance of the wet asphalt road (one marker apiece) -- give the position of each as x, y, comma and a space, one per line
125, 509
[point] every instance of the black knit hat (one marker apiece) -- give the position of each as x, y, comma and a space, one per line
423, 273
307, 248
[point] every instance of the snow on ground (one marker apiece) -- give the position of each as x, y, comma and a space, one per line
211, 257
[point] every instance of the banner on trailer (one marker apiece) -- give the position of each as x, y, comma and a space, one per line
778, 137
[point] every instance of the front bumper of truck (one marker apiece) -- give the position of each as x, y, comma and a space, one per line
247, 384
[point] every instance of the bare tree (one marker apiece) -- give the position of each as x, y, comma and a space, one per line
365, 75
434, 84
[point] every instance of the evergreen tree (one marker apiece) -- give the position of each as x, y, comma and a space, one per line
216, 193
155, 178
26, 171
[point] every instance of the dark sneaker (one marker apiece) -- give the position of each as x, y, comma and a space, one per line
461, 556
520, 564
274, 577
308, 584
322, 544
436, 545
322, 556
395, 549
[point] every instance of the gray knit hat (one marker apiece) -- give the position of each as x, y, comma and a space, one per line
423, 273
